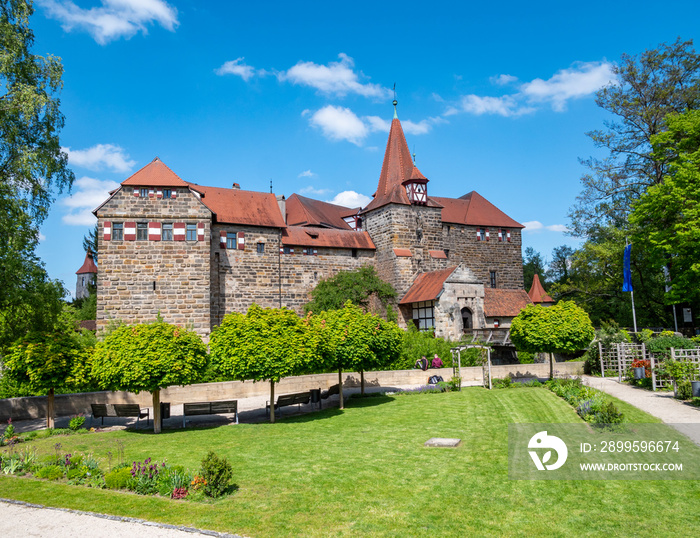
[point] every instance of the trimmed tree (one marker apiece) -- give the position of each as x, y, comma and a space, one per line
356, 286
264, 345
562, 328
43, 362
149, 357
357, 341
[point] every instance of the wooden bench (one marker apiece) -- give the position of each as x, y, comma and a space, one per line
100, 411
209, 408
119, 410
132, 410
290, 399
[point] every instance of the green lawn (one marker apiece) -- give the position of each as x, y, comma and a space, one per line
364, 471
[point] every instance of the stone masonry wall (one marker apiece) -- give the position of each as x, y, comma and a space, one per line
482, 257
243, 277
139, 279
417, 228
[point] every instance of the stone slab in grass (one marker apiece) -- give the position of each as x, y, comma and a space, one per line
443, 442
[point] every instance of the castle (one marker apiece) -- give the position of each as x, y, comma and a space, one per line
194, 253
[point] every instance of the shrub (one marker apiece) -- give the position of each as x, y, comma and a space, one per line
217, 474
76, 422
118, 478
50, 472
609, 334
609, 414
684, 390
661, 345
502, 383
526, 358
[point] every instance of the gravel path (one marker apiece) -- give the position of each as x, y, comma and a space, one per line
31, 520
661, 404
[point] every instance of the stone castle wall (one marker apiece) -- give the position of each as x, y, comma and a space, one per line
241, 277
416, 228
138, 279
482, 257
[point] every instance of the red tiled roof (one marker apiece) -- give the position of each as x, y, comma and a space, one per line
403, 252
88, 265
438, 254
475, 210
506, 303
235, 206
537, 293
303, 211
326, 237
155, 174
427, 286
396, 168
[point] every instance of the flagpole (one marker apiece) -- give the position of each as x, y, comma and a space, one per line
627, 270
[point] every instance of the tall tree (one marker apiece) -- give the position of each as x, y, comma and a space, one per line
647, 88
668, 215
91, 242
533, 264
559, 267
31, 164
357, 286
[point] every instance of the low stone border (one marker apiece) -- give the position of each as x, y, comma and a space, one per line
125, 519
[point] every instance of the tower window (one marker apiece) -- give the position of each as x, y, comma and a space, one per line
166, 194
231, 242
191, 232
142, 231
143, 192
117, 231
492, 278
167, 231
260, 248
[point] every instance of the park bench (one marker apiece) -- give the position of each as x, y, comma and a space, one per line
209, 408
290, 399
335, 389
119, 410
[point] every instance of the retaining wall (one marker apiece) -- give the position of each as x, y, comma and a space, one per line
71, 404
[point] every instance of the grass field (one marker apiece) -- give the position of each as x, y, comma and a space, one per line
364, 472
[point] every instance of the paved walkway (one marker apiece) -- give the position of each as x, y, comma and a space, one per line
661, 404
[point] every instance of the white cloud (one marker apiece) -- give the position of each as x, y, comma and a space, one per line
237, 67
503, 80
336, 78
338, 123
378, 124
306, 173
315, 192
350, 199
114, 19
537, 226
579, 81
99, 157
501, 106
89, 193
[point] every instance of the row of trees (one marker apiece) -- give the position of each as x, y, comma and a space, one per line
265, 344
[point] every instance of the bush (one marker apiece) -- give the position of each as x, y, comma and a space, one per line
504, 383
609, 334
217, 474
661, 345
526, 358
118, 478
609, 414
50, 472
76, 422
684, 390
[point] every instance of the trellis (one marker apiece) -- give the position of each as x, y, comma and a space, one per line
608, 360
657, 381
485, 366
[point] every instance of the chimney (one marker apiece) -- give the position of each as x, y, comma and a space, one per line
236, 187
282, 203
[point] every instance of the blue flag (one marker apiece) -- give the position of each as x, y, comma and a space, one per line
627, 272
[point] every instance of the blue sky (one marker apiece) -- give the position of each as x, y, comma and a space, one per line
494, 98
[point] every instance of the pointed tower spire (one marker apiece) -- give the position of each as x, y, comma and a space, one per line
537, 293
398, 168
